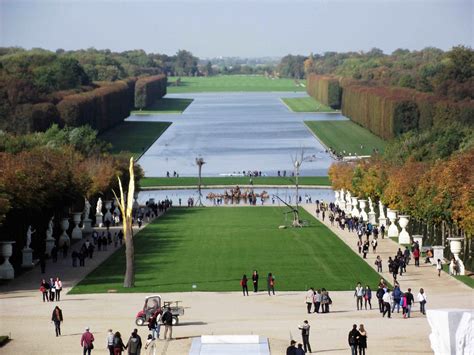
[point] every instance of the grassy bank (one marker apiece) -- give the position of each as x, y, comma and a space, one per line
230, 83
134, 137
346, 136
213, 247
233, 181
165, 105
306, 104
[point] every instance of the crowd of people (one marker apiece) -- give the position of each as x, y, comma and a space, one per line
318, 301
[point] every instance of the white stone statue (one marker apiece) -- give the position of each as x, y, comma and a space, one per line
29, 233
49, 231
381, 209
371, 206
98, 210
87, 208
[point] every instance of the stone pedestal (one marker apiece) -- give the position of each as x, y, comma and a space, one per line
99, 220
438, 253
64, 238
355, 211
49, 244
455, 246
87, 227
392, 229
372, 219
76, 232
6, 269
404, 237
363, 214
451, 331
418, 238
27, 262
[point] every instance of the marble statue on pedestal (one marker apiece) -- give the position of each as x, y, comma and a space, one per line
87, 208
29, 233
98, 209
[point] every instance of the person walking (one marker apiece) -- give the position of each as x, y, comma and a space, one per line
416, 256
87, 342
134, 343
309, 299
359, 294
300, 350
353, 338
367, 296
150, 344
271, 284
439, 267
365, 249
110, 342
57, 318
422, 300
362, 340
410, 300
243, 283
44, 290
305, 335
255, 281
386, 302
168, 322
291, 350
397, 296
374, 245
325, 300
317, 301
58, 285
118, 344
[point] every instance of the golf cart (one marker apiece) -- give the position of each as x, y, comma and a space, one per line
154, 303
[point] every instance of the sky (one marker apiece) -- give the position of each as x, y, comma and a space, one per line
245, 28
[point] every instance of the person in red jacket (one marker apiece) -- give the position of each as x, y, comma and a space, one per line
243, 283
416, 256
87, 340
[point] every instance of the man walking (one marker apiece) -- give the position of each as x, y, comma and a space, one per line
386, 301
410, 301
168, 322
291, 350
86, 342
305, 335
110, 342
352, 338
359, 293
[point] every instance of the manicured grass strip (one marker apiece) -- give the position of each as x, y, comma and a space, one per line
134, 137
468, 280
306, 104
232, 83
346, 137
233, 181
4, 339
213, 247
165, 105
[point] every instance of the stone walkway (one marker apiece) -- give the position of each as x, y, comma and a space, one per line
445, 289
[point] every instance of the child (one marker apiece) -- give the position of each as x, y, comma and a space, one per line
151, 344
439, 267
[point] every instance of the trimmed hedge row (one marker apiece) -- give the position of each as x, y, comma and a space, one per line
149, 89
101, 108
325, 89
33, 117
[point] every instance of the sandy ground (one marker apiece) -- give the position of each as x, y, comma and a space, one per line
27, 319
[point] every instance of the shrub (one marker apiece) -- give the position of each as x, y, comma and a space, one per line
325, 89
149, 89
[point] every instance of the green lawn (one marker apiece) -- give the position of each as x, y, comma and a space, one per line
233, 181
165, 105
346, 135
306, 104
230, 83
468, 280
212, 247
134, 137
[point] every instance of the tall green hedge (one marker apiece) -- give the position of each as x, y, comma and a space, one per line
101, 108
325, 89
149, 89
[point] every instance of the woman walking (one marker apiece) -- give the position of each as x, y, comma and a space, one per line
271, 284
422, 299
58, 285
44, 290
243, 283
255, 281
118, 344
57, 318
362, 341
439, 267
367, 296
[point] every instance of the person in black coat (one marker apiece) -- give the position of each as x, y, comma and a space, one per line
57, 318
353, 339
291, 350
255, 281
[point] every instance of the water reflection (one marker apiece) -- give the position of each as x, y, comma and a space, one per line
286, 194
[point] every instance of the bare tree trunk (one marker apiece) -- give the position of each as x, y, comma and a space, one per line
129, 279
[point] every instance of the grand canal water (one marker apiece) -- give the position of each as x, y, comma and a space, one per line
235, 132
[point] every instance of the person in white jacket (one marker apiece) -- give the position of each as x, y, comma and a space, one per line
422, 299
309, 299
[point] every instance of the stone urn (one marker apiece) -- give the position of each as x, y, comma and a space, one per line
456, 247
64, 238
404, 237
363, 214
6, 269
108, 214
76, 232
355, 211
392, 229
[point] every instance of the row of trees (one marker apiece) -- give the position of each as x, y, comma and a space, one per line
148, 89
49, 174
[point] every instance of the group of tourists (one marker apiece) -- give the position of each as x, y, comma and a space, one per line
51, 290
319, 301
270, 283
389, 300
